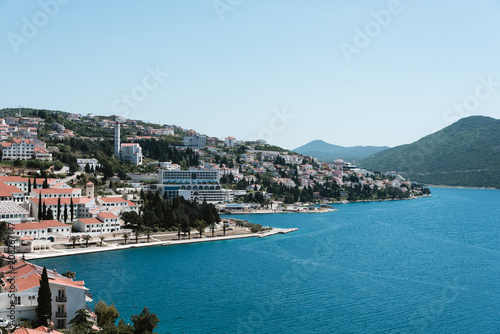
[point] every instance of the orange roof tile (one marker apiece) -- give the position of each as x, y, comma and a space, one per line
56, 191
113, 199
107, 215
41, 225
90, 221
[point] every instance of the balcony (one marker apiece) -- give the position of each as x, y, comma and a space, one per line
61, 314
61, 299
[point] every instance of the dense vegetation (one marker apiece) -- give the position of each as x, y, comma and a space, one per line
466, 153
179, 215
143, 323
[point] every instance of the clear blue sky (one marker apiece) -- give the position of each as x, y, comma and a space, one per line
232, 65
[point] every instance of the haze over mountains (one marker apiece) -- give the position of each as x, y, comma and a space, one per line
329, 152
466, 153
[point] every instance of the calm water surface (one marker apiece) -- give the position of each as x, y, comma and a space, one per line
430, 265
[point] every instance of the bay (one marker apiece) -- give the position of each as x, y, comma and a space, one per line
430, 265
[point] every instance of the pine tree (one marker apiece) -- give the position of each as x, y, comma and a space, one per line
44, 309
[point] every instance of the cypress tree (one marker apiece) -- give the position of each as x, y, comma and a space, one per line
58, 208
39, 205
50, 215
71, 209
29, 186
44, 211
44, 309
65, 214
34, 183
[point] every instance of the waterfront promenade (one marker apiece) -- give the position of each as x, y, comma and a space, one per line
111, 247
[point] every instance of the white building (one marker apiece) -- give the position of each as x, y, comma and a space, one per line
10, 193
23, 149
117, 205
91, 162
13, 213
131, 152
195, 184
229, 141
195, 141
106, 222
46, 229
56, 192
68, 296
81, 206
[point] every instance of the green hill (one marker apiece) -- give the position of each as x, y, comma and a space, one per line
328, 152
466, 153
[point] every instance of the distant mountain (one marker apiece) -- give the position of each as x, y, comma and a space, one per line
329, 152
466, 153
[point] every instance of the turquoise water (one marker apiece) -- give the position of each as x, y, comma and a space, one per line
430, 265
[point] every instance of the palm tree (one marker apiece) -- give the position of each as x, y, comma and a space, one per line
125, 236
102, 237
74, 239
200, 226
87, 238
69, 274
137, 233
148, 231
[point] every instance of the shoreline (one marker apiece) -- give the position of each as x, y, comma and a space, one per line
460, 187
265, 211
78, 251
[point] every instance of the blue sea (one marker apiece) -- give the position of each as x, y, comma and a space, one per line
430, 265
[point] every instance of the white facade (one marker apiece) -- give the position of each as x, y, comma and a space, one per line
195, 141
83, 162
23, 149
68, 296
192, 184
131, 152
13, 213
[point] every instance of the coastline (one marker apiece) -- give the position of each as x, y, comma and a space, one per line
77, 251
460, 187
265, 211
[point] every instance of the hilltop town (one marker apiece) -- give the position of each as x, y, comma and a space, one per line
70, 180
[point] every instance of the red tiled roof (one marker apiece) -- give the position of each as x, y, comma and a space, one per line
38, 330
27, 276
56, 191
130, 203
40, 225
113, 199
106, 215
90, 221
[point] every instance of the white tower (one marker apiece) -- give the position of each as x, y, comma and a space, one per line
117, 140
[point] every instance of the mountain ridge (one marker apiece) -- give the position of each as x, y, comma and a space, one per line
465, 153
328, 152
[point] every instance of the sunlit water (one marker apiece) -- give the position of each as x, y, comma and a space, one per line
430, 265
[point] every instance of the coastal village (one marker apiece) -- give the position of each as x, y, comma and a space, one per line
65, 189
